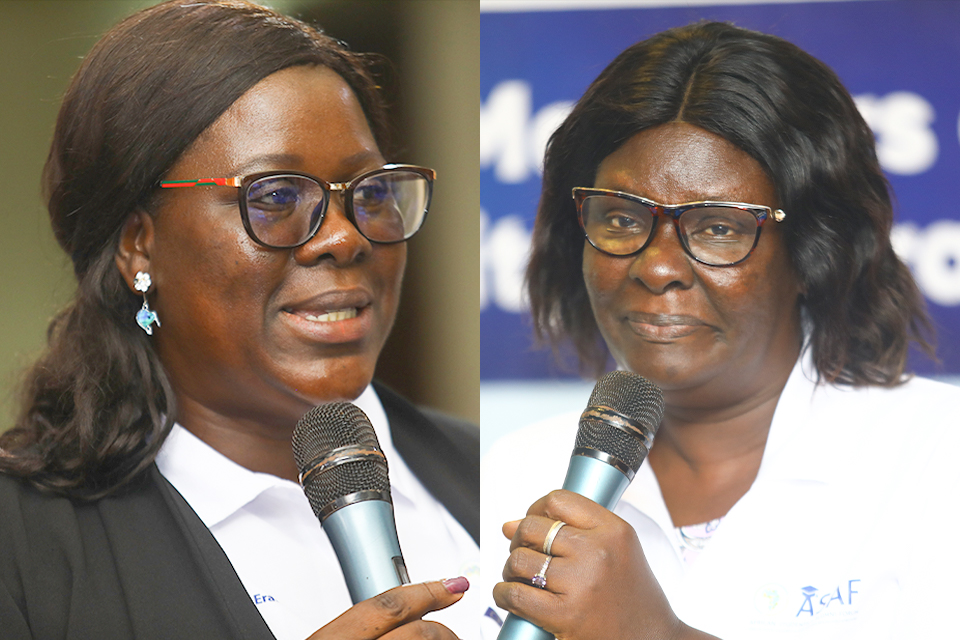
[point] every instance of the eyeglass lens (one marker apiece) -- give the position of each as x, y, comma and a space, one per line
285, 210
716, 235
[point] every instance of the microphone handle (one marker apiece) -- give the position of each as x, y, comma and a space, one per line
593, 479
371, 562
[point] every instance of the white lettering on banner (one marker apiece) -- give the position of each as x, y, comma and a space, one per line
503, 122
934, 255
906, 145
504, 251
512, 138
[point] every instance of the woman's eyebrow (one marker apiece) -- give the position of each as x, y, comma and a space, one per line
271, 161
267, 162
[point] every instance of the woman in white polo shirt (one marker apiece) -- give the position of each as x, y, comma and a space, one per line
714, 218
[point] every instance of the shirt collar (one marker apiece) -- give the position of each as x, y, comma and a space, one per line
217, 487
797, 446
214, 486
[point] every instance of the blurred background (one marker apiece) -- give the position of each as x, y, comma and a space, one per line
899, 58
431, 80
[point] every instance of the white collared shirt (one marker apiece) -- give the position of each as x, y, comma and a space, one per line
849, 530
275, 542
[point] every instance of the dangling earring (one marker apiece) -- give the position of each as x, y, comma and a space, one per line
146, 316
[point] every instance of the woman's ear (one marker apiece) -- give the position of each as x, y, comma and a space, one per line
136, 244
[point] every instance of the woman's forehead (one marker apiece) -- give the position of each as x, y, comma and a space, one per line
300, 118
679, 162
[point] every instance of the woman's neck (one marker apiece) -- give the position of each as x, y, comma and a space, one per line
251, 443
705, 461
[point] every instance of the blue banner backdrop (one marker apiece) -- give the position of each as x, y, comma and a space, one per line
899, 58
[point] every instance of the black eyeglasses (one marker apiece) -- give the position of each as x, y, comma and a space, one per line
718, 234
284, 209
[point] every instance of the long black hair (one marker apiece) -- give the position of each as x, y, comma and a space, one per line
790, 113
97, 406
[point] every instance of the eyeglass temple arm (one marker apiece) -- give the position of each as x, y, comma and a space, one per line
220, 182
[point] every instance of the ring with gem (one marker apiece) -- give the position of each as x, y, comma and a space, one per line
540, 580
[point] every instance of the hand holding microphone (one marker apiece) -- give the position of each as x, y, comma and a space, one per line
344, 475
595, 581
396, 614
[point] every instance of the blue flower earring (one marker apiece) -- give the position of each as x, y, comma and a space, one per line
146, 316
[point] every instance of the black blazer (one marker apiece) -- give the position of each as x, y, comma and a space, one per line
140, 563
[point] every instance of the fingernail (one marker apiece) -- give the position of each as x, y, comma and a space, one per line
456, 585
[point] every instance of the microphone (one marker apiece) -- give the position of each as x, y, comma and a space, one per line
616, 433
344, 475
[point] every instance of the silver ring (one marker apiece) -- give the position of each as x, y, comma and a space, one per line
551, 536
540, 580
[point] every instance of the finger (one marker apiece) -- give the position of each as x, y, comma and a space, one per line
523, 564
532, 532
420, 630
509, 528
572, 508
542, 608
380, 614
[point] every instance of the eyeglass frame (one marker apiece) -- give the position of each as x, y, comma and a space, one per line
762, 213
243, 183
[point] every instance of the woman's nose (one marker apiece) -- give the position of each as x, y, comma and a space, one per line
663, 264
337, 239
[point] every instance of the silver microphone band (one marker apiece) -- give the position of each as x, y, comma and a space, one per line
341, 455
614, 418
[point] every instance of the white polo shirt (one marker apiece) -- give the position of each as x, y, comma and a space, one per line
849, 531
276, 545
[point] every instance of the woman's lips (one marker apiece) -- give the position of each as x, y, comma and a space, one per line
333, 327
334, 317
663, 327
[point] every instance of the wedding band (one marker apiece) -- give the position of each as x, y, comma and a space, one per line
540, 580
551, 536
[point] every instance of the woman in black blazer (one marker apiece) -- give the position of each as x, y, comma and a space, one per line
220, 177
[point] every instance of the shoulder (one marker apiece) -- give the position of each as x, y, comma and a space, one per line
918, 405
408, 421
458, 428
525, 465
442, 451
548, 439
29, 512
899, 440
55, 550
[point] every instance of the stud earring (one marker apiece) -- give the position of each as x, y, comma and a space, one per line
146, 316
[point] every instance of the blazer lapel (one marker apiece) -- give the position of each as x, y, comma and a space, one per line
444, 454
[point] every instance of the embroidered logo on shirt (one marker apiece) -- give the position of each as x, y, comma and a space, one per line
801, 607
816, 602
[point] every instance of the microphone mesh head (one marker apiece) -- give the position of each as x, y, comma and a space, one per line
631, 396
328, 427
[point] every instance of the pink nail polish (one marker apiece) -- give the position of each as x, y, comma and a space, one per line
456, 585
